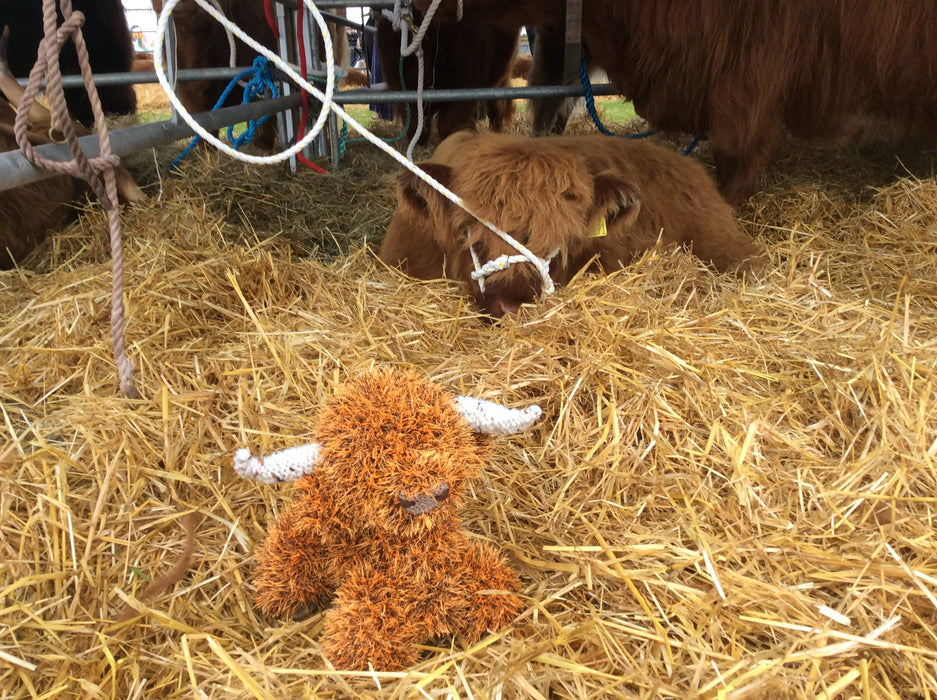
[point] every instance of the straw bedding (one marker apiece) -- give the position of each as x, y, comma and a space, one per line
731, 494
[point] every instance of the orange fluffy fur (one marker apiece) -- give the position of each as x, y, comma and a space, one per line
396, 579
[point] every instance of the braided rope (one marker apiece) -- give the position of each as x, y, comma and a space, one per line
415, 47
327, 104
90, 170
261, 80
502, 262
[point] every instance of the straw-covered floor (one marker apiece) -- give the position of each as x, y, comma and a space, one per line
731, 493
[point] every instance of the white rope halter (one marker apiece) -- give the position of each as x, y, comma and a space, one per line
503, 262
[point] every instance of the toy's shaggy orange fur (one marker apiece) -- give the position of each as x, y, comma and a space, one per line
377, 527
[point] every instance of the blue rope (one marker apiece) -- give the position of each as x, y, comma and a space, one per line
696, 139
590, 106
261, 79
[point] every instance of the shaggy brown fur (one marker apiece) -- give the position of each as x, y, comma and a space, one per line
28, 213
388, 439
456, 55
552, 193
520, 69
742, 71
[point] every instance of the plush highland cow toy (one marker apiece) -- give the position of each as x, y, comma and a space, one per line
375, 526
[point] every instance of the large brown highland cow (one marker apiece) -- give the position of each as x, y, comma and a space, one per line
743, 70
583, 197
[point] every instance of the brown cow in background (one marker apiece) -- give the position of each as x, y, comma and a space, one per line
744, 71
456, 55
110, 50
584, 196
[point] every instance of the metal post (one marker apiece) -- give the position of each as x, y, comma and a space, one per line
572, 57
16, 170
286, 121
172, 65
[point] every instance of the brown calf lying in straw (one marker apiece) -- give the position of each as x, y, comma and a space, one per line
578, 198
28, 213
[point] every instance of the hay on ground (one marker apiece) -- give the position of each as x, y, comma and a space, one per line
731, 493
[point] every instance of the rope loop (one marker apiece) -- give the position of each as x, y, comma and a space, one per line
261, 84
327, 104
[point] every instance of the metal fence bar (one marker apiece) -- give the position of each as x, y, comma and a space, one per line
363, 95
15, 170
360, 95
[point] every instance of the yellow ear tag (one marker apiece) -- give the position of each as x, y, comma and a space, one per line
602, 229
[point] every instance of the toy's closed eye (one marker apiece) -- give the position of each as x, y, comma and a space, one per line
423, 502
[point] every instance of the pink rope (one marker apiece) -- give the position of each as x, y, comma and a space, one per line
90, 170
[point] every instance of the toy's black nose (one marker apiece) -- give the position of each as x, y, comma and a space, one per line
423, 502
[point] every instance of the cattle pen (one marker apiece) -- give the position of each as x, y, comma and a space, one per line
731, 492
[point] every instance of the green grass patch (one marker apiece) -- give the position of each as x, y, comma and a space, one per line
614, 111
361, 114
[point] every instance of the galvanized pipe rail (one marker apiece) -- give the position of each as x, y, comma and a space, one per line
15, 170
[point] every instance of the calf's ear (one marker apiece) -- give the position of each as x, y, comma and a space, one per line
616, 199
420, 194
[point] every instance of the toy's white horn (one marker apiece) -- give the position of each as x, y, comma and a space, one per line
493, 418
285, 465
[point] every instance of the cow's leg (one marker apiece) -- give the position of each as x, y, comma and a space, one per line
291, 577
500, 113
369, 625
550, 114
493, 604
729, 250
456, 116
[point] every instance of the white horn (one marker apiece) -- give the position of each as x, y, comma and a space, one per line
493, 418
285, 465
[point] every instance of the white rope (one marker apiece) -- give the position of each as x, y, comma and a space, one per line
502, 262
232, 47
327, 104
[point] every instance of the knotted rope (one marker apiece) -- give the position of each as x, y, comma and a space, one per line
261, 81
402, 24
91, 170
